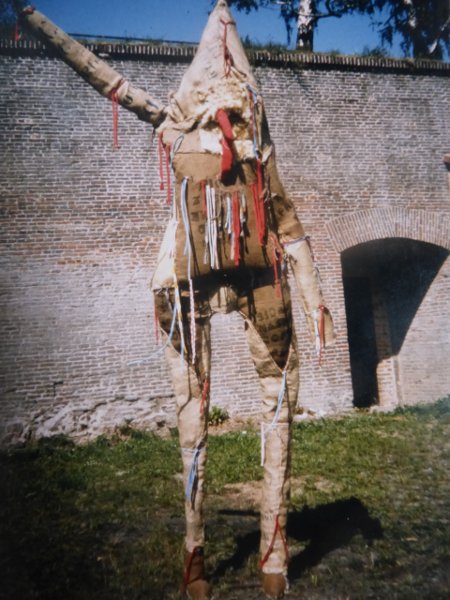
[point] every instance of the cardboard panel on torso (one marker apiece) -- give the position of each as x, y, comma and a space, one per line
218, 217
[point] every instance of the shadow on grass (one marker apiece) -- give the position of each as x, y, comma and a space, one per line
325, 528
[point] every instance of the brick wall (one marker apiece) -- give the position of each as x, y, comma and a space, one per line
360, 148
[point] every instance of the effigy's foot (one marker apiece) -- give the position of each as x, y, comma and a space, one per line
195, 586
274, 585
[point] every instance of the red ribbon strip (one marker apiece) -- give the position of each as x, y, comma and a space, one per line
29, 10
205, 392
115, 113
187, 570
258, 202
227, 58
225, 124
277, 529
227, 158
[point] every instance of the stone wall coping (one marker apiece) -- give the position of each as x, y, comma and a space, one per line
181, 52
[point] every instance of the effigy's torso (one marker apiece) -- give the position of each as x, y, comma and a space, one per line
230, 209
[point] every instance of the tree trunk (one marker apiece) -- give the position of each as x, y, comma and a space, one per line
419, 45
305, 25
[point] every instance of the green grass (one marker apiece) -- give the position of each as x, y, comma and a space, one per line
369, 519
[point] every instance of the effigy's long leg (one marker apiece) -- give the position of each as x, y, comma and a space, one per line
191, 384
273, 348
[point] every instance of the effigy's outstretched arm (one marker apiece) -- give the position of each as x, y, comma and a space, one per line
298, 250
103, 78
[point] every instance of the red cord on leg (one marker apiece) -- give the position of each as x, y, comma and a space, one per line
187, 570
277, 529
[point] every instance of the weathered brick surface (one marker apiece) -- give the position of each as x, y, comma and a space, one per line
360, 148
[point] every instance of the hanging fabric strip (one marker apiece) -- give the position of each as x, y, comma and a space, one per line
188, 253
260, 221
205, 392
227, 158
236, 229
211, 223
115, 114
278, 530
168, 154
254, 190
278, 256
228, 216
192, 322
319, 330
191, 485
187, 569
143, 361
161, 159
187, 229
17, 32
273, 424
253, 99
224, 123
243, 212
28, 10
259, 178
179, 316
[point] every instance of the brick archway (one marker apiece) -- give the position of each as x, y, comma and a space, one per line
370, 237
363, 226
356, 232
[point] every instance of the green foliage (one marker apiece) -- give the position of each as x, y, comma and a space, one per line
233, 458
439, 410
217, 416
377, 52
9, 10
8, 18
423, 25
104, 521
250, 44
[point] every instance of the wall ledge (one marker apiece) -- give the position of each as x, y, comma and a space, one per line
179, 52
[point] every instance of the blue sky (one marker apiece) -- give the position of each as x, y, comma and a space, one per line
183, 20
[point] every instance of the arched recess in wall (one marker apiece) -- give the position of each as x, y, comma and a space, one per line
396, 277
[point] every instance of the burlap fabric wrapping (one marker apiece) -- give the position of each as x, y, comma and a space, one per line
232, 231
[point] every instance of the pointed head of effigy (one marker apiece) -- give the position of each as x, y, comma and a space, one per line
218, 93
